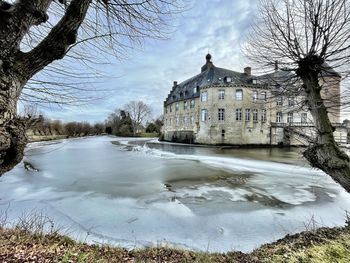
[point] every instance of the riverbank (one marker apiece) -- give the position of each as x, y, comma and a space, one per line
41, 138
321, 245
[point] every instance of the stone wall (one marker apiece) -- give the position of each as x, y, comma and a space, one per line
180, 136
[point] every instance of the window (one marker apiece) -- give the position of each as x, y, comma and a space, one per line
185, 105
221, 94
279, 101
170, 121
176, 106
166, 110
192, 104
239, 94
247, 114
291, 102
223, 133
192, 120
263, 95
221, 114
204, 115
304, 117
195, 90
255, 115
204, 96
170, 108
290, 117
238, 114
254, 81
263, 115
255, 95
279, 117
228, 79
177, 120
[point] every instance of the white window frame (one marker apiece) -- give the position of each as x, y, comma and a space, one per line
279, 101
221, 114
204, 96
279, 117
290, 117
238, 114
192, 104
247, 115
303, 117
291, 102
255, 115
204, 115
239, 94
263, 115
221, 94
255, 95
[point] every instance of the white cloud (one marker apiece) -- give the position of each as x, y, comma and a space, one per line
148, 75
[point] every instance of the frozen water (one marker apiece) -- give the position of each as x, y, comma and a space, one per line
134, 194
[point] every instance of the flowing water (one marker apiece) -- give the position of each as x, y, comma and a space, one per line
137, 192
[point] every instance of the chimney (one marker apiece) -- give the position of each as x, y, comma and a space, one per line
276, 65
248, 71
175, 83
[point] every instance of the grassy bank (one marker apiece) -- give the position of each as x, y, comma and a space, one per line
322, 245
40, 138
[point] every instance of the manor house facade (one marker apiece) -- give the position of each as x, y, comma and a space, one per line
220, 106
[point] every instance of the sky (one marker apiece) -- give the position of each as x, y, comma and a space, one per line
147, 74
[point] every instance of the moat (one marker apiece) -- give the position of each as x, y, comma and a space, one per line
136, 192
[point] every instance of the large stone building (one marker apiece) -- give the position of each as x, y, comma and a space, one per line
221, 106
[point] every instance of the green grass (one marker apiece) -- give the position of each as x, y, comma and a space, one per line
148, 135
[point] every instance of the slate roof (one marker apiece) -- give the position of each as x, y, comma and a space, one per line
211, 76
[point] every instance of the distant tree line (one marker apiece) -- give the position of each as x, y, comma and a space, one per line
131, 120
42, 126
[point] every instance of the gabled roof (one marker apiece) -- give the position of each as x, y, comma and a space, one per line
209, 76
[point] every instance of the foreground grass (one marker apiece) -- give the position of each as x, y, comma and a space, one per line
322, 245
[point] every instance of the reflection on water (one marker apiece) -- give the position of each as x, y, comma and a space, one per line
142, 192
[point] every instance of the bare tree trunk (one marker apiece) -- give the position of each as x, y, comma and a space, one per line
325, 153
17, 67
12, 129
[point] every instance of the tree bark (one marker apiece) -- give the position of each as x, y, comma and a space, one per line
12, 129
17, 67
324, 153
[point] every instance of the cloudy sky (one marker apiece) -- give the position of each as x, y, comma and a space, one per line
148, 73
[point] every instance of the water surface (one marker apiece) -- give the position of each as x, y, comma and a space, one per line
134, 193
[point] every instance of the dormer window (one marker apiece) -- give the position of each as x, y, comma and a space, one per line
254, 81
195, 90
228, 79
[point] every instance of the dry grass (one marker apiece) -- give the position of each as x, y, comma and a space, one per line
34, 239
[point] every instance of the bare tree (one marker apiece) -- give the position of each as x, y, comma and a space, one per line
138, 112
35, 34
309, 39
